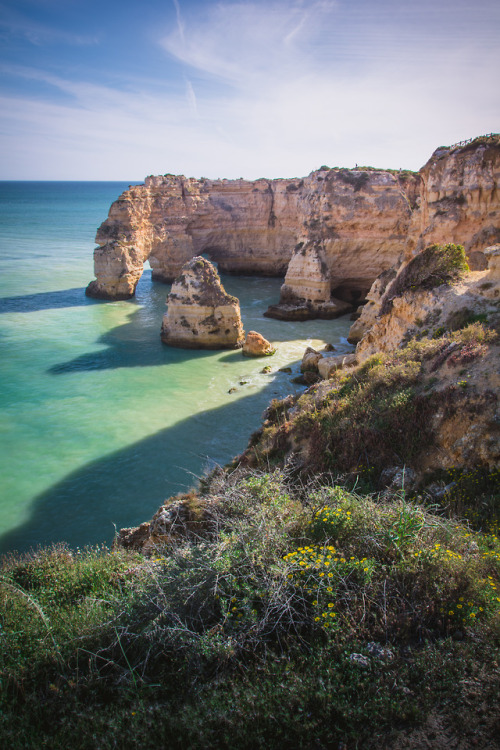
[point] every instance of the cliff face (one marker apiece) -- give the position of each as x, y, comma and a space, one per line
460, 198
253, 227
200, 314
364, 221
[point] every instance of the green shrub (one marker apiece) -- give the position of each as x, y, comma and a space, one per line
436, 265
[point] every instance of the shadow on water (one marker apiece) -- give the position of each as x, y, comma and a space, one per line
134, 344
27, 303
137, 343
126, 487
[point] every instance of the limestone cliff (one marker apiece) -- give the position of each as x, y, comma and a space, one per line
420, 392
306, 292
361, 217
460, 197
200, 314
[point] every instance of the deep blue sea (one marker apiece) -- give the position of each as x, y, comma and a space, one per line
99, 421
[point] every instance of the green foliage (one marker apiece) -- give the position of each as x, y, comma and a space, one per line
436, 265
249, 635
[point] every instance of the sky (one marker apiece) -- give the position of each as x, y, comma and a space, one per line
117, 90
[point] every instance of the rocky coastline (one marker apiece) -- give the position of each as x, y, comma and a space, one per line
351, 225
336, 585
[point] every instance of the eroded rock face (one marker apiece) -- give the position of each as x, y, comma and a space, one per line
306, 292
253, 227
257, 346
418, 313
460, 198
200, 314
365, 221
185, 516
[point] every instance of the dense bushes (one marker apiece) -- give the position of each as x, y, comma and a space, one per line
302, 611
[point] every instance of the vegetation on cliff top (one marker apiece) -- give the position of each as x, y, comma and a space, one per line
379, 413
302, 615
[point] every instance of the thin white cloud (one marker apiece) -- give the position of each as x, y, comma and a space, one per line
191, 98
300, 88
180, 25
40, 34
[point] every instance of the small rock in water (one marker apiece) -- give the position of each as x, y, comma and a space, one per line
256, 345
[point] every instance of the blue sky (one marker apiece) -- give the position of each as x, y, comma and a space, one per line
118, 89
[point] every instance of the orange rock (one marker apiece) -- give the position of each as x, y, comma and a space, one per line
257, 346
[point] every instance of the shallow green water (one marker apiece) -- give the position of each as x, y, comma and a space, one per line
99, 422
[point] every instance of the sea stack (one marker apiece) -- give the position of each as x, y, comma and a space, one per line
306, 295
200, 314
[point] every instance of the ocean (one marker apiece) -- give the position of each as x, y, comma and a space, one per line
99, 421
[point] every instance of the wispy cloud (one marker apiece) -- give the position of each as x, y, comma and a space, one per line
38, 34
241, 42
180, 25
267, 88
191, 98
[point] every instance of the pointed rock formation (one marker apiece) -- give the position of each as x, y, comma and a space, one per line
200, 314
306, 292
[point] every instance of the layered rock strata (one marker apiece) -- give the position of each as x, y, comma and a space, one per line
359, 223
361, 217
460, 198
306, 292
200, 314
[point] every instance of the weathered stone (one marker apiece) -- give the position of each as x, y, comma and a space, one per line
492, 255
361, 219
328, 365
306, 291
310, 360
200, 314
257, 346
398, 478
460, 200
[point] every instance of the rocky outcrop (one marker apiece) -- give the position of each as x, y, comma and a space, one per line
306, 293
325, 363
418, 311
257, 346
200, 314
185, 516
460, 198
253, 227
354, 226
420, 393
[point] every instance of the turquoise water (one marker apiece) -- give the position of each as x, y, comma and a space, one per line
100, 422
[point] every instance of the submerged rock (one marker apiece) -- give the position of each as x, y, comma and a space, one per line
200, 314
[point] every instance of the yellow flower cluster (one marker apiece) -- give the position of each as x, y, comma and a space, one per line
437, 551
331, 517
491, 590
317, 570
492, 555
466, 611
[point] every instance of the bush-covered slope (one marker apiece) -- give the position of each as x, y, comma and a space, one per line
300, 615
